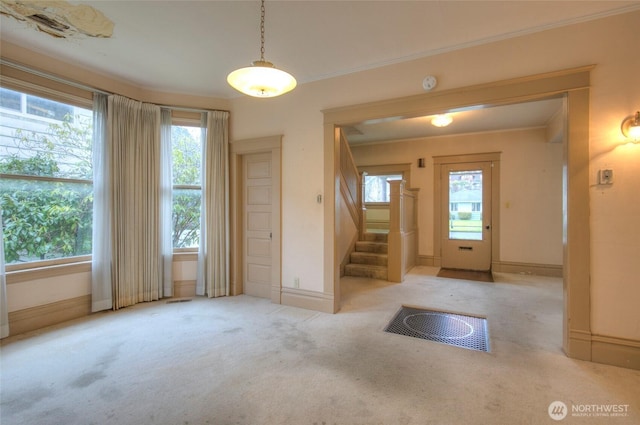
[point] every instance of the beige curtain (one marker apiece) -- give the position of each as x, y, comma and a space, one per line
4, 313
101, 291
133, 134
213, 256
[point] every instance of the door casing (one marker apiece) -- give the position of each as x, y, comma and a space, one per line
572, 84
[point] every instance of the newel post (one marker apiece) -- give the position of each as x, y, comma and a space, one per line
395, 255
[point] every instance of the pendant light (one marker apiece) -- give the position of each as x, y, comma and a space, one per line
261, 79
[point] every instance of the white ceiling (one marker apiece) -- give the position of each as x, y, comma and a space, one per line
469, 120
189, 47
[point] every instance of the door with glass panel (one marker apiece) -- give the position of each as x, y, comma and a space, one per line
466, 215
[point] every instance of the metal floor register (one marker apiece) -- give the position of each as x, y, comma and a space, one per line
448, 328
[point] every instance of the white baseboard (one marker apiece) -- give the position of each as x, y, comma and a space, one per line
41, 316
184, 288
615, 351
552, 270
425, 260
311, 300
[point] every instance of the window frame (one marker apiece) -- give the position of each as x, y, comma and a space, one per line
73, 97
186, 119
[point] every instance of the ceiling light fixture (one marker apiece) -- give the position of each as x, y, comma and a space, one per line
261, 79
630, 127
442, 120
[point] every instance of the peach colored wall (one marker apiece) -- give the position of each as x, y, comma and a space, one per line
605, 42
45, 291
530, 187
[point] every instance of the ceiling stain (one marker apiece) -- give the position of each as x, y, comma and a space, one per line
59, 18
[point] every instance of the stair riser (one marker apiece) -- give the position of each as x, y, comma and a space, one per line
380, 248
365, 272
376, 237
369, 258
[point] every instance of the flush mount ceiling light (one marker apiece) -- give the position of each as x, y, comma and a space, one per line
631, 127
442, 120
261, 79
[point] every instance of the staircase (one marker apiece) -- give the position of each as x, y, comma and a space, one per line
369, 258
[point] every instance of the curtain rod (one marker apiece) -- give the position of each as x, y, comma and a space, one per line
81, 86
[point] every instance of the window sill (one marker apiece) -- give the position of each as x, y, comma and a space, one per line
184, 255
46, 271
24, 272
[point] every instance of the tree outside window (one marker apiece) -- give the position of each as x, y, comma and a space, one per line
46, 192
186, 143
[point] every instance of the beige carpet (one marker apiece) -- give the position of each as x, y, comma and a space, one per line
245, 361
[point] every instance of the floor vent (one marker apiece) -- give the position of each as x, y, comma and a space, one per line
447, 328
179, 300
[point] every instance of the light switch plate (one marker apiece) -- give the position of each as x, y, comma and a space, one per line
605, 176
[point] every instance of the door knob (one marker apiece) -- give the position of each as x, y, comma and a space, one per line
487, 227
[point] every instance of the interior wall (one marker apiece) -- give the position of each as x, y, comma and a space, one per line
604, 42
47, 290
530, 187
615, 234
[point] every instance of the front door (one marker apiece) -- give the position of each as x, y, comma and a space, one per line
260, 270
466, 215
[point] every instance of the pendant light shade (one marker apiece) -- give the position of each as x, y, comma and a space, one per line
261, 79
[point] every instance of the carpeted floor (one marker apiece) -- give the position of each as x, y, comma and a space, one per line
245, 361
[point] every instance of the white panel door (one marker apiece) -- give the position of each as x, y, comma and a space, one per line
258, 254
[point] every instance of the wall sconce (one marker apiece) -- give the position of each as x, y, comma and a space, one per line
630, 127
421, 163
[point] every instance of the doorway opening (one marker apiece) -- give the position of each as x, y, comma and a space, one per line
574, 84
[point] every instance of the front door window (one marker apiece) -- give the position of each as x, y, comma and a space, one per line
465, 205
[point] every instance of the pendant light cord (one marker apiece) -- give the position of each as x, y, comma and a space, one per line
262, 32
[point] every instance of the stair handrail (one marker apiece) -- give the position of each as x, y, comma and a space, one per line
351, 184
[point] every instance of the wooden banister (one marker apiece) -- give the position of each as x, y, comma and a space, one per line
351, 182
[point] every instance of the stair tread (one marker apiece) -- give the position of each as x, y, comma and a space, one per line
366, 246
366, 266
371, 254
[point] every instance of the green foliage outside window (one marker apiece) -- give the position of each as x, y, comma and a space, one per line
45, 218
51, 217
186, 168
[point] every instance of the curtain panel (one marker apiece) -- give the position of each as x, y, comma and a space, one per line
166, 202
4, 313
101, 293
213, 255
135, 194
